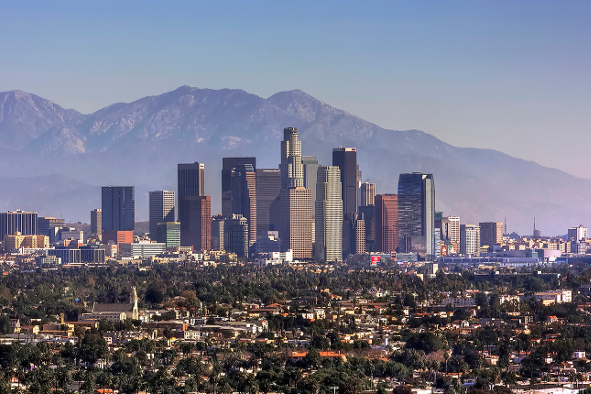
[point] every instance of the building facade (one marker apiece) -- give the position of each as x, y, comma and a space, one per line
196, 223
470, 239
291, 167
162, 204
328, 214
386, 223
491, 233
268, 203
228, 165
19, 221
244, 197
296, 222
416, 214
118, 208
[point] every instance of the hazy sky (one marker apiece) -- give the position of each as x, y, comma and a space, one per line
508, 75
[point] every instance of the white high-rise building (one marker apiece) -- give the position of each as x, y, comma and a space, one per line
578, 233
368, 194
450, 229
470, 239
161, 209
329, 214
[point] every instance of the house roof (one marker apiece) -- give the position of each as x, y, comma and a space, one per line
118, 308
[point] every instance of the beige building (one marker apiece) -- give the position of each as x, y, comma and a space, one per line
17, 241
296, 226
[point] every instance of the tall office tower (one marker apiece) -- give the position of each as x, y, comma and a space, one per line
416, 214
310, 176
268, 209
191, 184
491, 233
96, 222
360, 236
329, 214
118, 207
169, 233
578, 233
296, 222
191, 180
367, 214
358, 183
23, 222
161, 209
470, 239
217, 232
236, 235
368, 194
228, 164
346, 160
196, 224
387, 222
244, 197
292, 169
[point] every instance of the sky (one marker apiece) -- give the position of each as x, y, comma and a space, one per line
514, 76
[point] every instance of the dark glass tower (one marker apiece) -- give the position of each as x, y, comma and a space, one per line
268, 205
228, 164
244, 197
191, 179
346, 160
118, 208
416, 214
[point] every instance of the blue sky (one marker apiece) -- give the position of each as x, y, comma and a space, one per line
507, 75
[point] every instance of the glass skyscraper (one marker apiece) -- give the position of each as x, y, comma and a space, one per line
416, 214
118, 208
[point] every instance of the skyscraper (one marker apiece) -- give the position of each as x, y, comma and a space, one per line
236, 235
296, 222
196, 223
450, 229
491, 233
470, 239
96, 222
346, 160
191, 180
12, 222
118, 208
292, 170
169, 233
244, 197
268, 209
228, 164
416, 214
194, 206
368, 194
217, 232
386, 222
329, 214
161, 209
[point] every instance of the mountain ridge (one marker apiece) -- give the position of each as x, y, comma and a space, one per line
141, 142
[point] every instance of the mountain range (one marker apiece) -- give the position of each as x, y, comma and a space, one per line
54, 160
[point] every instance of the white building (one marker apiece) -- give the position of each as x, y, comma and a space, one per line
329, 214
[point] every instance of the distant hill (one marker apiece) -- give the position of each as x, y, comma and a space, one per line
55, 159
